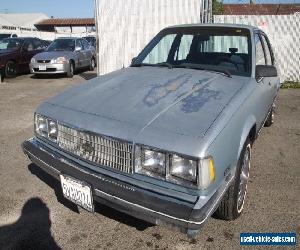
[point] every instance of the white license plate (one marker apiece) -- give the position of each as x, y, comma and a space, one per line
78, 192
42, 67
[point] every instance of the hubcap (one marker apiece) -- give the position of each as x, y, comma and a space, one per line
244, 176
93, 63
10, 69
272, 116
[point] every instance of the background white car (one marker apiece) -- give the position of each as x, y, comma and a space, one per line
64, 55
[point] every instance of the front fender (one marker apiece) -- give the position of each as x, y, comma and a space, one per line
248, 125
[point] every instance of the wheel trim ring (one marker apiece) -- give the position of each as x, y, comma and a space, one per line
244, 176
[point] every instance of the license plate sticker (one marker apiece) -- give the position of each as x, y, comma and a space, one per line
42, 67
78, 192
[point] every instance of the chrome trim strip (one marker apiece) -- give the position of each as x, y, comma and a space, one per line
111, 197
52, 168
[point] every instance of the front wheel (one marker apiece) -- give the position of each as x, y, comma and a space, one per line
233, 201
92, 64
10, 69
70, 72
270, 119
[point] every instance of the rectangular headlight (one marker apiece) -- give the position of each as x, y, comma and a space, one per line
183, 168
41, 125
150, 162
46, 127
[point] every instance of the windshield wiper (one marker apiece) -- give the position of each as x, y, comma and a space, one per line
195, 66
223, 71
165, 64
170, 66
141, 64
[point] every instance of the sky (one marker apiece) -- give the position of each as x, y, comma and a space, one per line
77, 8
55, 8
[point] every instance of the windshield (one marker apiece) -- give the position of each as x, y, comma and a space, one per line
10, 43
62, 44
219, 49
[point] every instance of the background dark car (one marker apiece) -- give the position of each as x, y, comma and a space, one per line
7, 35
16, 53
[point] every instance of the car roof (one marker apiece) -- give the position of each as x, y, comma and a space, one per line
67, 38
221, 25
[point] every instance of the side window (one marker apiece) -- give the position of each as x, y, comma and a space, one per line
78, 44
267, 51
161, 51
38, 45
260, 56
29, 45
85, 44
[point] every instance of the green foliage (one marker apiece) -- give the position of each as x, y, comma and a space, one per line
217, 7
290, 85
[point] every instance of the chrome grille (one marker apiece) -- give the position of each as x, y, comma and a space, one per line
95, 148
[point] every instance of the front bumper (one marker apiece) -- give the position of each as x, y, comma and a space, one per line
55, 68
127, 197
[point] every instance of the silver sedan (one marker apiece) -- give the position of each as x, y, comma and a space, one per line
64, 55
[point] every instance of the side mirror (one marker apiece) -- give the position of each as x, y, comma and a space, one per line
77, 48
265, 71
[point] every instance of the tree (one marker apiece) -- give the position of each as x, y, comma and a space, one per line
217, 7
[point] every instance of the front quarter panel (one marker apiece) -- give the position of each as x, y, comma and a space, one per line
233, 128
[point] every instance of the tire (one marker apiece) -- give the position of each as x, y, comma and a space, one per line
71, 69
92, 64
10, 69
233, 201
270, 119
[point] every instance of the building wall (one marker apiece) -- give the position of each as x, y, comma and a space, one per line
125, 27
283, 32
45, 35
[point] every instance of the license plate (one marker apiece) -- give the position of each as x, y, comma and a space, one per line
42, 67
78, 192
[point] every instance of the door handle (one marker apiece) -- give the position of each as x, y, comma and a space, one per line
269, 83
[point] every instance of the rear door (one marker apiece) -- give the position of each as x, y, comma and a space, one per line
80, 54
27, 52
88, 52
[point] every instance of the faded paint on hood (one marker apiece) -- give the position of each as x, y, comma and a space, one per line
131, 102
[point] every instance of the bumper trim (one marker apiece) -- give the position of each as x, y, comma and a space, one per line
192, 223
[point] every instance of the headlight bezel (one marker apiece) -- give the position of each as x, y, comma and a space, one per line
169, 177
33, 60
49, 122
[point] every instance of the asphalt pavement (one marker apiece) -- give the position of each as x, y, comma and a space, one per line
34, 214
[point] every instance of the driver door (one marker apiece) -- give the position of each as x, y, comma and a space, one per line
264, 89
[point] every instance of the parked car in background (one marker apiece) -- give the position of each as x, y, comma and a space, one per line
169, 139
16, 53
64, 55
91, 40
7, 35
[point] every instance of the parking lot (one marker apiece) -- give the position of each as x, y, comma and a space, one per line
33, 210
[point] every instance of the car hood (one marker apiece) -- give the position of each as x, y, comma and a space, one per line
146, 104
48, 55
